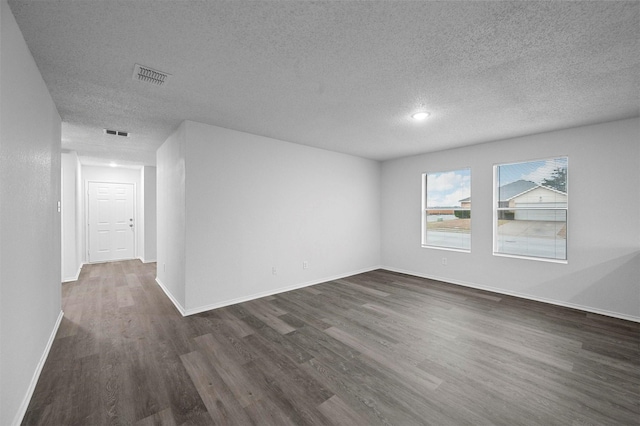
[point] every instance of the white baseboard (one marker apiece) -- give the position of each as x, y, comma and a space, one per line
254, 296
36, 375
204, 308
170, 296
75, 278
143, 260
517, 294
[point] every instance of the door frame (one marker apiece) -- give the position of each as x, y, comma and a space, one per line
85, 193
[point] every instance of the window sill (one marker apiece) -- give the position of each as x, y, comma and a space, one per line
539, 259
447, 248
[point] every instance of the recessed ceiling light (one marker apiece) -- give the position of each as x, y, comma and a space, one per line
420, 115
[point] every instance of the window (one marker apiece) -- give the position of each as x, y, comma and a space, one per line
446, 210
530, 209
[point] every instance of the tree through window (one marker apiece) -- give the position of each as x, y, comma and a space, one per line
530, 209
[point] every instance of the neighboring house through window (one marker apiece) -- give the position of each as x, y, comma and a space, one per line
446, 210
530, 209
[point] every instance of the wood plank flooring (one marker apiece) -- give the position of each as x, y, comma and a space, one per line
378, 348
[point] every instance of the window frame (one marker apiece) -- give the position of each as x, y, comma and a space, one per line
424, 214
496, 209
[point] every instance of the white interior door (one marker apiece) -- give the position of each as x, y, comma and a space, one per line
110, 221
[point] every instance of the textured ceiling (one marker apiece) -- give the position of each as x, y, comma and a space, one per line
342, 75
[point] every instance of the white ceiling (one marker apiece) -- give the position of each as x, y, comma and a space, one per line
339, 75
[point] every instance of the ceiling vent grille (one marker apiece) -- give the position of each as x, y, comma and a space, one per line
116, 133
149, 75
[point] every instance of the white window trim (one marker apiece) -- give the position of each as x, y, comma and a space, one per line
497, 209
427, 246
423, 234
539, 259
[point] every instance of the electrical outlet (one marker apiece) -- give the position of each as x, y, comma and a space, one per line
444, 261
305, 264
274, 271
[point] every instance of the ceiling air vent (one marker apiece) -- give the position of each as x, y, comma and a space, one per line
116, 133
149, 75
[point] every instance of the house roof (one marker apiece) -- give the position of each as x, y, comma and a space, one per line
535, 187
513, 189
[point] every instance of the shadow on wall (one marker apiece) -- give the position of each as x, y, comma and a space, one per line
611, 284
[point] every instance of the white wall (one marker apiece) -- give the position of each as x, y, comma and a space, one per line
149, 206
113, 175
603, 223
29, 221
170, 199
71, 220
255, 203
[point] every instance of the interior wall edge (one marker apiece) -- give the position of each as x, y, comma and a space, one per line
171, 297
36, 375
75, 277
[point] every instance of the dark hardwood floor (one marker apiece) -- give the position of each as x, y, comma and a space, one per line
378, 348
